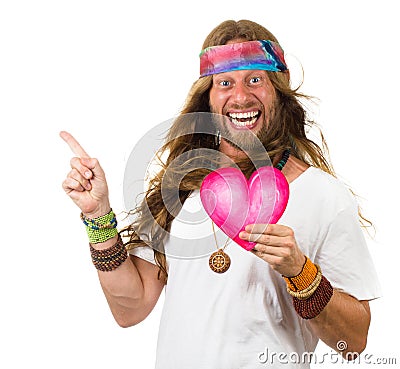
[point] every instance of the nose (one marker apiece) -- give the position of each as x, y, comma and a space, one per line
240, 93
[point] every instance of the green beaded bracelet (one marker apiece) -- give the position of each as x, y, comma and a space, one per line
102, 228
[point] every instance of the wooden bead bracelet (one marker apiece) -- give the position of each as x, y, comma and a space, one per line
310, 290
109, 259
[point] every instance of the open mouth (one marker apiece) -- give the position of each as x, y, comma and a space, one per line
244, 119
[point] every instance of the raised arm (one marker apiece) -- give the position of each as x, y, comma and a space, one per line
132, 289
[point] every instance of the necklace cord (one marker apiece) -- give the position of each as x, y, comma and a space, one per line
279, 166
215, 238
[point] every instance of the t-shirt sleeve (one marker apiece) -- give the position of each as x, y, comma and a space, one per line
344, 256
144, 252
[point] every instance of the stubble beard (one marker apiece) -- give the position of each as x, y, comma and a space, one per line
245, 139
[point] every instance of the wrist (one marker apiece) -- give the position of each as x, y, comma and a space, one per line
100, 211
310, 290
303, 279
102, 228
104, 245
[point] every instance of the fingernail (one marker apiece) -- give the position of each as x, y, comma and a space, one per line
242, 234
88, 174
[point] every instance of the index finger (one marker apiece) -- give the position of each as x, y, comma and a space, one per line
74, 145
271, 229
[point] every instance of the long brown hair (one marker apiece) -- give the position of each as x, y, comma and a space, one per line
153, 219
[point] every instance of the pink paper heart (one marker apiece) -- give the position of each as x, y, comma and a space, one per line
232, 202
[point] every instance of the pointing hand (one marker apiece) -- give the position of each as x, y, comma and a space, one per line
86, 183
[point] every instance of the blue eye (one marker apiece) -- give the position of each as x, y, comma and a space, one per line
224, 83
255, 80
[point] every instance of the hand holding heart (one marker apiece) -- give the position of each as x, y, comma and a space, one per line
232, 201
246, 211
276, 245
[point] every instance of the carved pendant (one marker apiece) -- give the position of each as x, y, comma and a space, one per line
219, 261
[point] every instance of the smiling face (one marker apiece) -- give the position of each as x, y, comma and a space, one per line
246, 97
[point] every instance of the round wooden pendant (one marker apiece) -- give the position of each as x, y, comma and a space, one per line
219, 261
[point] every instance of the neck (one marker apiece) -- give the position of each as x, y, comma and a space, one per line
236, 154
293, 168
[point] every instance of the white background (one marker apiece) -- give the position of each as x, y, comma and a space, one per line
107, 71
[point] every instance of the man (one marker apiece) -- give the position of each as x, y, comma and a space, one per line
309, 277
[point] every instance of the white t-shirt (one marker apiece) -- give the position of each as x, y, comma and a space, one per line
244, 318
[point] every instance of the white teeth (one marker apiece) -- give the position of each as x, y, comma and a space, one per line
243, 124
249, 114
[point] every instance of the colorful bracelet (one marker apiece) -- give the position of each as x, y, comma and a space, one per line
109, 259
102, 228
313, 306
304, 279
310, 290
307, 292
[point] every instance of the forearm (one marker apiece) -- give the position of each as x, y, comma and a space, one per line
343, 319
130, 284
123, 289
333, 316
338, 319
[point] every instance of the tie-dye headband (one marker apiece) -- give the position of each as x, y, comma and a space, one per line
263, 55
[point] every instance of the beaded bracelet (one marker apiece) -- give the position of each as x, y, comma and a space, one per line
310, 290
313, 306
304, 279
109, 259
102, 228
105, 221
307, 292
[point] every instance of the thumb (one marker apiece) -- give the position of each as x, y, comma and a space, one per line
94, 166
